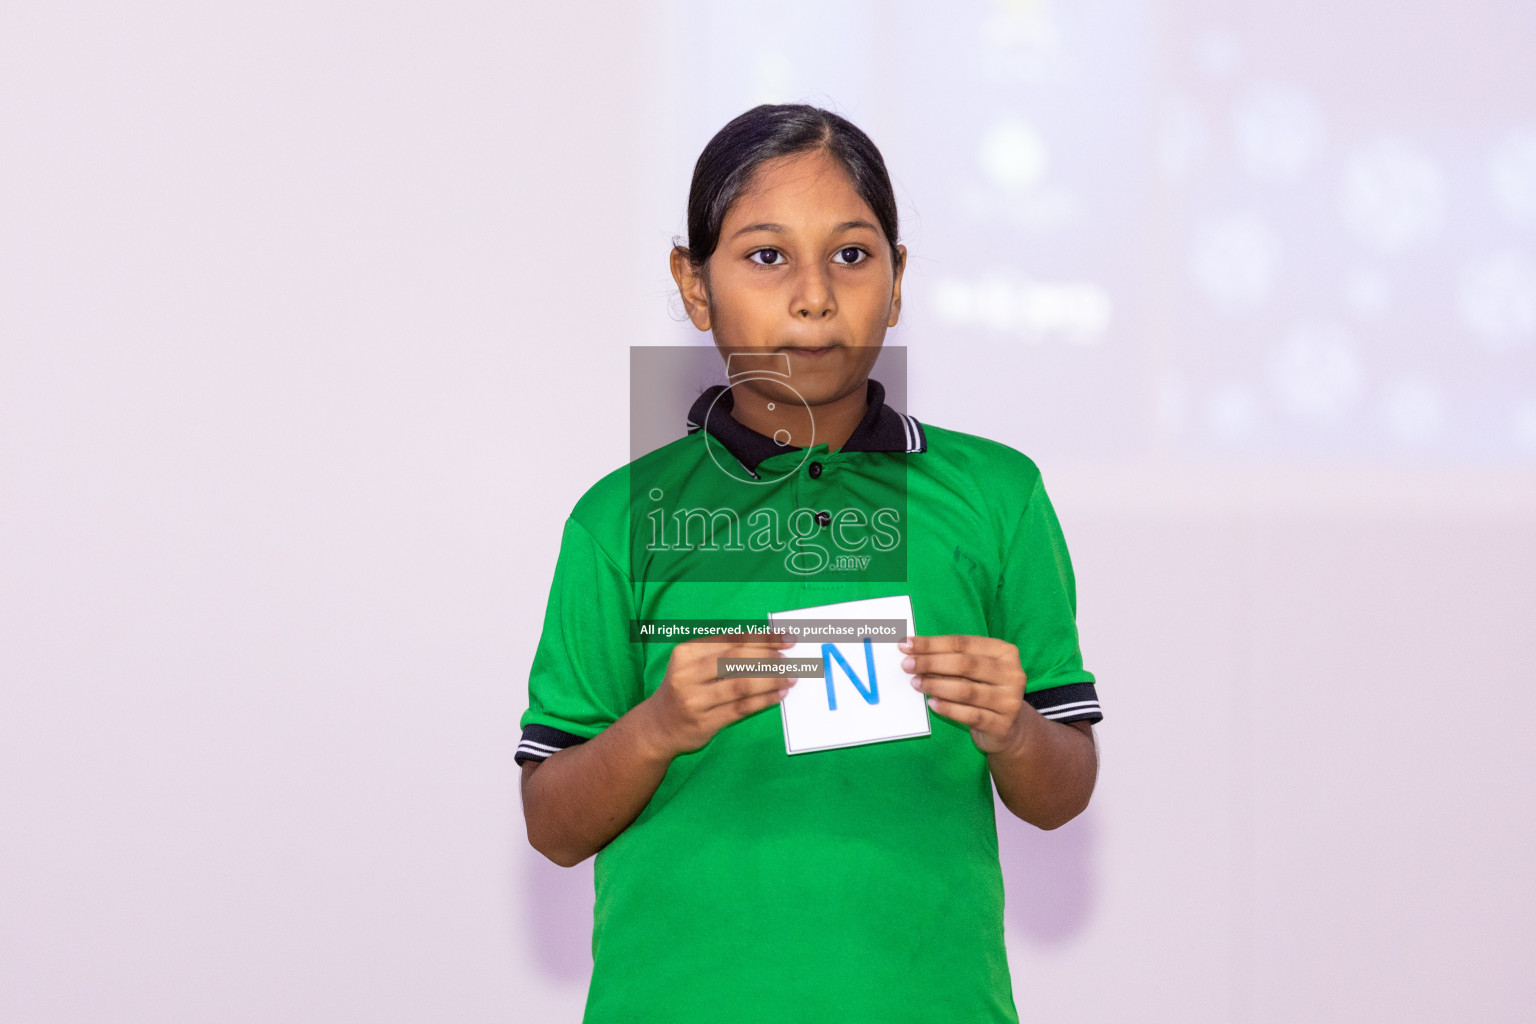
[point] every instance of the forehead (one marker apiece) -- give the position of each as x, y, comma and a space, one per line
800, 188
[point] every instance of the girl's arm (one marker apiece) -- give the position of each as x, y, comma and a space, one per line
578, 799
1044, 770
1049, 776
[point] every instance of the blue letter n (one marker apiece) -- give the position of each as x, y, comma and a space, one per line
871, 693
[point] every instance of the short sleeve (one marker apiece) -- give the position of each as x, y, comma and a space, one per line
1035, 609
586, 673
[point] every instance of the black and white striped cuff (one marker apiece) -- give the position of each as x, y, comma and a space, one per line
539, 741
1073, 702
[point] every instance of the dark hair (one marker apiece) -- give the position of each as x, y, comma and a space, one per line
726, 166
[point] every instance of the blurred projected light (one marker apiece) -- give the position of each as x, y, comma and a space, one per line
1368, 293
1512, 172
1315, 372
1012, 155
1234, 261
1078, 313
1037, 211
1218, 52
1393, 196
1524, 424
1413, 409
1497, 299
1020, 42
1278, 130
1182, 139
1231, 413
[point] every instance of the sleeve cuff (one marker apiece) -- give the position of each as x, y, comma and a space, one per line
1071, 702
539, 741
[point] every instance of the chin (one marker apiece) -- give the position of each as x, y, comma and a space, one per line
814, 389
819, 389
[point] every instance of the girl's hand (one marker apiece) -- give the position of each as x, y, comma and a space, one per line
693, 703
977, 681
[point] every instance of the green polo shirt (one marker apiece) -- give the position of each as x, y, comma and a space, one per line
855, 884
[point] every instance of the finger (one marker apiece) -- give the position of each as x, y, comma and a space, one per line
968, 691
749, 651
707, 653
751, 705
719, 717
967, 665
953, 643
728, 691
977, 718
915, 645
698, 680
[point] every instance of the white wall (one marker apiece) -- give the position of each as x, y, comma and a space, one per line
314, 322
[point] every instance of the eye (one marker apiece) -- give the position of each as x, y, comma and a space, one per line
767, 257
850, 254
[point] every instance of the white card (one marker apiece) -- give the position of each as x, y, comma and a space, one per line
865, 697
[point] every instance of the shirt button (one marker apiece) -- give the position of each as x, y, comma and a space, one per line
815, 470
823, 518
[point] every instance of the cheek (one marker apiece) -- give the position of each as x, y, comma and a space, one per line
744, 314
869, 308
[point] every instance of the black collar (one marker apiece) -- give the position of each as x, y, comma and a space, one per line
882, 429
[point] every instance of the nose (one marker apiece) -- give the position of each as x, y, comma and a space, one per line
814, 298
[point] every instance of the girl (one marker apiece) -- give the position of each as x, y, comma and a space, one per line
734, 882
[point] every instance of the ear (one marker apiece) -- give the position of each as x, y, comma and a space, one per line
692, 287
901, 265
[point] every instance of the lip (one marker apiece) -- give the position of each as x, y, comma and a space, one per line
806, 352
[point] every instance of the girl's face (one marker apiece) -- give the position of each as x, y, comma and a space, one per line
803, 269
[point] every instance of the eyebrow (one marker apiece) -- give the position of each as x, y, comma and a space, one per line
846, 225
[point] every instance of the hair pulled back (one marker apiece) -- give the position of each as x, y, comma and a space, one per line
725, 168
